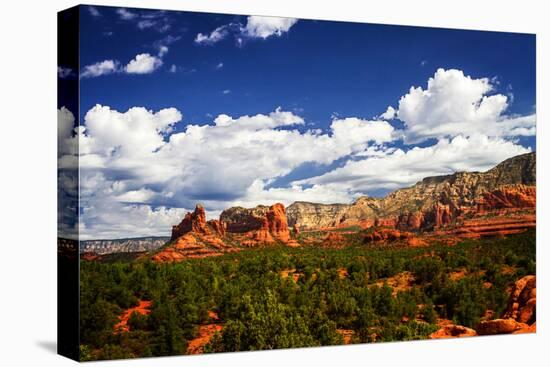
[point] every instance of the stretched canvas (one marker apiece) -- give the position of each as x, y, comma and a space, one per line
238, 182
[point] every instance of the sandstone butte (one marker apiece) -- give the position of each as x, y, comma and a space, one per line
195, 237
519, 316
497, 202
435, 203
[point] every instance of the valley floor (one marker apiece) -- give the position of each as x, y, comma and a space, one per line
282, 297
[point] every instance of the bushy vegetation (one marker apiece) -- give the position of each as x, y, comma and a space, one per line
281, 297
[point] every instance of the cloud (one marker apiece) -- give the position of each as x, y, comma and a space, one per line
125, 14
389, 114
173, 68
93, 11
264, 27
64, 73
393, 169
143, 64
141, 169
105, 67
157, 20
215, 36
219, 66
454, 103
226, 91
357, 131
163, 50
133, 159
256, 27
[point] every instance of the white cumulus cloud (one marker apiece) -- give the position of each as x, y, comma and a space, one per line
454, 103
398, 168
256, 27
100, 68
143, 64
264, 27
215, 36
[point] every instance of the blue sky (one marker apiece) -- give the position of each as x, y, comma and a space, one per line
307, 99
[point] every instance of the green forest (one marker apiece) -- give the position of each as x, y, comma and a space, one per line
281, 297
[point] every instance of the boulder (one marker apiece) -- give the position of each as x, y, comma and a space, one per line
499, 326
523, 300
453, 331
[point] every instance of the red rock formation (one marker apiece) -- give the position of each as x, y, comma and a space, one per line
277, 224
334, 239
453, 331
386, 235
192, 222
262, 235
273, 228
491, 226
295, 230
520, 315
499, 326
523, 300
506, 197
217, 226
416, 242
411, 221
194, 237
386, 222
442, 215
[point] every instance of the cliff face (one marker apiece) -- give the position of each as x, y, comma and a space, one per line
192, 222
261, 224
311, 215
240, 220
194, 237
433, 202
103, 247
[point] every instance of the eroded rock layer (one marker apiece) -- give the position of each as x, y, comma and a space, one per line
434, 202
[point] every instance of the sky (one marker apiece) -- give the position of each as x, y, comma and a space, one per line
179, 108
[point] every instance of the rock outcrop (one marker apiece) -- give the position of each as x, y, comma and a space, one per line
259, 225
520, 315
433, 203
194, 237
192, 222
277, 222
508, 197
126, 245
385, 235
306, 215
523, 300
499, 326
453, 331
217, 226
333, 239
241, 220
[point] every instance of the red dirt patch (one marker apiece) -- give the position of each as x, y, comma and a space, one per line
143, 308
457, 275
398, 283
342, 273
346, 335
206, 332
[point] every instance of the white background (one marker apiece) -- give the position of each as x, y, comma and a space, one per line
28, 181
